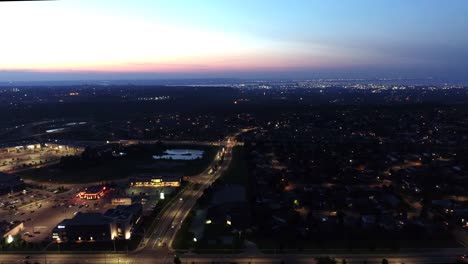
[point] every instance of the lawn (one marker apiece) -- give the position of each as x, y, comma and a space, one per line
184, 238
121, 167
99, 246
237, 173
353, 246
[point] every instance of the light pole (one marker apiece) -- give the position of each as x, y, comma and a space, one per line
58, 244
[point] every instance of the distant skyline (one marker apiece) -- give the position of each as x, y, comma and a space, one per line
112, 39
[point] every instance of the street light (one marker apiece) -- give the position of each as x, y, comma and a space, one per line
58, 243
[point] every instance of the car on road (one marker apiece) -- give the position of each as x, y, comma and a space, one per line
462, 259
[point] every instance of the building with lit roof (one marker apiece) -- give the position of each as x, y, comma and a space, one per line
155, 181
92, 193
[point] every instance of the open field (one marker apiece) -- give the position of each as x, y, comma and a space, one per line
120, 168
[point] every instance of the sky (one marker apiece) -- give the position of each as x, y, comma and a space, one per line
297, 39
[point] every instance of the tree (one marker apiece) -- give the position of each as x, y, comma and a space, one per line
325, 260
177, 260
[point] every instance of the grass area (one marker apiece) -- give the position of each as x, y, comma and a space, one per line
198, 166
122, 167
237, 173
184, 238
20, 245
112, 170
213, 242
103, 246
354, 246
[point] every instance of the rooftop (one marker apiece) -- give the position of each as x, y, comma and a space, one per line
86, 219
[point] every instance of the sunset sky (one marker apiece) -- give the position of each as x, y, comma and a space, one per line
101, 39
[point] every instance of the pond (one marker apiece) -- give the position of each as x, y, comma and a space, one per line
180, 154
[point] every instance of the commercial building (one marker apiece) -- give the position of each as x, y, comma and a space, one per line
229, 206
124, 217
18, 146
121, 201
156, 181
84, 227
10, 228
92, 193
117, 223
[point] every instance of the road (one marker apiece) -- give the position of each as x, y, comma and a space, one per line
146, 257
168, 142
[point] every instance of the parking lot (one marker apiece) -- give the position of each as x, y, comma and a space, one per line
33, 156
42, 210
148, 196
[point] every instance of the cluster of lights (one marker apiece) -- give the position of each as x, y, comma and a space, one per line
153, 98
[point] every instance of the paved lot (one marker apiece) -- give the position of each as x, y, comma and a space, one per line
45, 210
19, 159
148, 196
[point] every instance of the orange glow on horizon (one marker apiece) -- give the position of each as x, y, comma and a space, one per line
245, 63
60, 40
